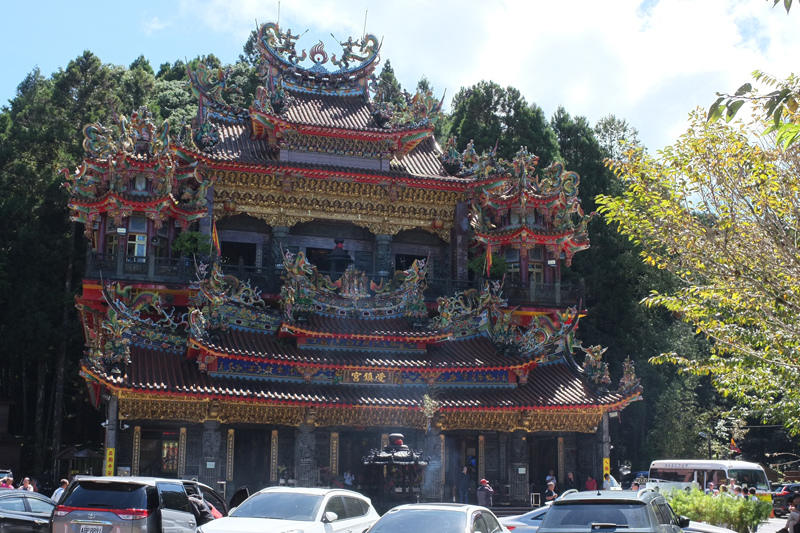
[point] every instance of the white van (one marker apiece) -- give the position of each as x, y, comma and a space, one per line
667, 474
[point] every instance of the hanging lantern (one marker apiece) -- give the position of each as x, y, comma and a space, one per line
229, 206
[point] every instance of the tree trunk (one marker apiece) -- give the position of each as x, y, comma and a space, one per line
39, 428
61, 354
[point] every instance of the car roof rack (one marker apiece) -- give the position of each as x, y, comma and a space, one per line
642, 491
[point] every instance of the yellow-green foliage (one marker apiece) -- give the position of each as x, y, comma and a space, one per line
739, 514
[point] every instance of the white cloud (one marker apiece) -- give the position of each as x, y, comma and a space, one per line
649, 62
154, 24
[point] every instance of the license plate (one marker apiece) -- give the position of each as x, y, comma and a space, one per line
91, 529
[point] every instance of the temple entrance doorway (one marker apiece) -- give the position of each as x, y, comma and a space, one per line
461, 451
544, 458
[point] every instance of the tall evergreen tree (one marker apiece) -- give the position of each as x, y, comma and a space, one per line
490, 115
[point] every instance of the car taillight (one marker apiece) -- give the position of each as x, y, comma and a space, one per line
63, 510
511, 528
132, 514
784, 493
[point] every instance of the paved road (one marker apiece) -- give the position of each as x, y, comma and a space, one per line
772, 525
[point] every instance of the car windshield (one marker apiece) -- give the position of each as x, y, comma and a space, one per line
750, 477
280, 505
596, 515
416, 520
92, 494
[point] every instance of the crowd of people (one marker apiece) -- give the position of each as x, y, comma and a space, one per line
733, 490
30, 485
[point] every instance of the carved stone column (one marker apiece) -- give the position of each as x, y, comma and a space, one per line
305, 465
280, 238
519, 475
384, 262
459, 242
432, 485
212, 443
503, 446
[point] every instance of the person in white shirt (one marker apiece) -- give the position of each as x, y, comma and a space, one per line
59, 491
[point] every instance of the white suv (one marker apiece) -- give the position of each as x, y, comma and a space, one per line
284, 509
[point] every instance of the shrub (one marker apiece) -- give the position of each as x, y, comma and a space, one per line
739, 514
191, 242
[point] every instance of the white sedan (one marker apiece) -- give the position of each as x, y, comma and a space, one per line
288, 510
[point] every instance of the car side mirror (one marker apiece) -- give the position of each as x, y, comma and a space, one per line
329, 517
683, 521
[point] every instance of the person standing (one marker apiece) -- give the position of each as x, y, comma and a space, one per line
26, 485
752, 493
485, 494
550, 494
463, 485
606, 482
7, 483
570, 482
635, 486
551, 478
591, 483
710, 489
59, 491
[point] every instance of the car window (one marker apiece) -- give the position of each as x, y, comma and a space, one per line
283, 505
173, 496
12, 504
492, 525
478, 525
537, 517
419, 520
335, 505
212, 498
104, 495
353, 507
41, 506
567, 516
664, 514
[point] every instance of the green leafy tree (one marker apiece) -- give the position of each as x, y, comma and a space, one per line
615, 280
718, 210
172, 71
490, 115
389, 89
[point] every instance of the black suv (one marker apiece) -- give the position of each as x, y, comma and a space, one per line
645, 511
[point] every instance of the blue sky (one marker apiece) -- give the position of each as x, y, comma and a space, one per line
650, 62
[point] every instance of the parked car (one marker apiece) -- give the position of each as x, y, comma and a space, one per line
525, 523
645, 511
702, 527
781, 497
134, 504
209, 495
21, 510
439, 517
298, 509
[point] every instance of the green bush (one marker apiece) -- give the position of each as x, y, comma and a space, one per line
739, 514
191, 242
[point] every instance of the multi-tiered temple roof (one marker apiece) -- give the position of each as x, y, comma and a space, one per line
318, 144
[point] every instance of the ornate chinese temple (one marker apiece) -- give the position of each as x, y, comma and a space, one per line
336, 307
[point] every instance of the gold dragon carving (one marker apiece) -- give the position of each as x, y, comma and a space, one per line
384, 210
135, 407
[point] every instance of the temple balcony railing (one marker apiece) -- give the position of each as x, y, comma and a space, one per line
269, 279
149, 268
